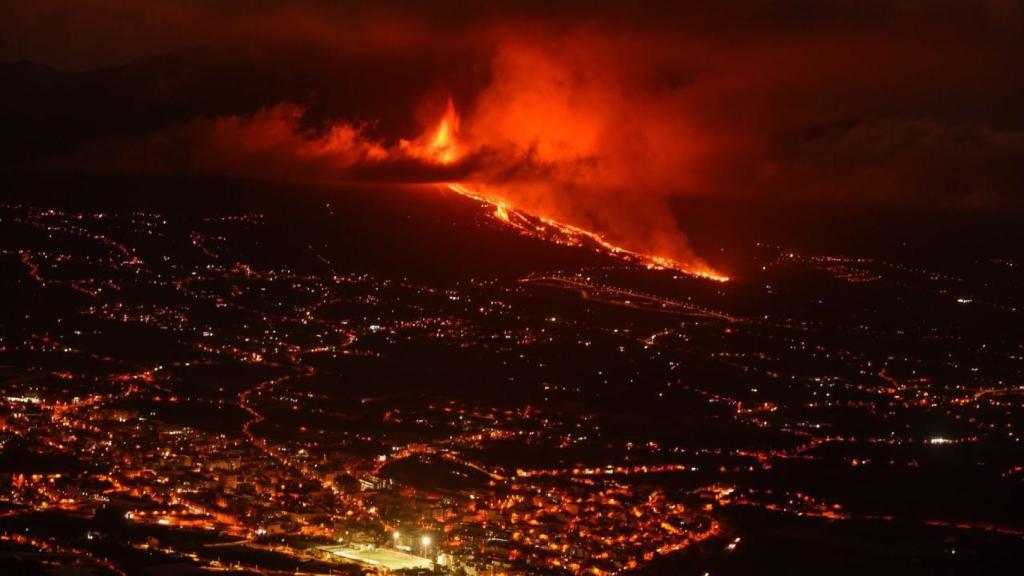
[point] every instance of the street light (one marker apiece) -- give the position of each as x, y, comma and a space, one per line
425, 540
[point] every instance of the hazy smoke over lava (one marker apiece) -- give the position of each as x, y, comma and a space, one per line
573, 128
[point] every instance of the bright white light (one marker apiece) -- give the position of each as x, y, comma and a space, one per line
425, 540
396, 535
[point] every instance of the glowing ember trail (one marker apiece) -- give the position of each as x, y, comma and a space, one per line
561, 233
442, 147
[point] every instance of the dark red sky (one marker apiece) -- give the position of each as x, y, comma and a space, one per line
590, 109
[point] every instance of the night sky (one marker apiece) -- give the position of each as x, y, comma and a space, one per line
599, 113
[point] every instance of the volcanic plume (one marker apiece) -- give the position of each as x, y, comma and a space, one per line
562, 132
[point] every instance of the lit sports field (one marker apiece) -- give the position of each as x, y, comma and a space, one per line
381, 557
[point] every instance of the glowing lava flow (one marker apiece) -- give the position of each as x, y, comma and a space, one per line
442, 146
562, 233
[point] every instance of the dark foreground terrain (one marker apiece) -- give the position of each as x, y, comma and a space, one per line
199, 375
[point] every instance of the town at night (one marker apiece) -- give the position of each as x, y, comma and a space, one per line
511, 289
